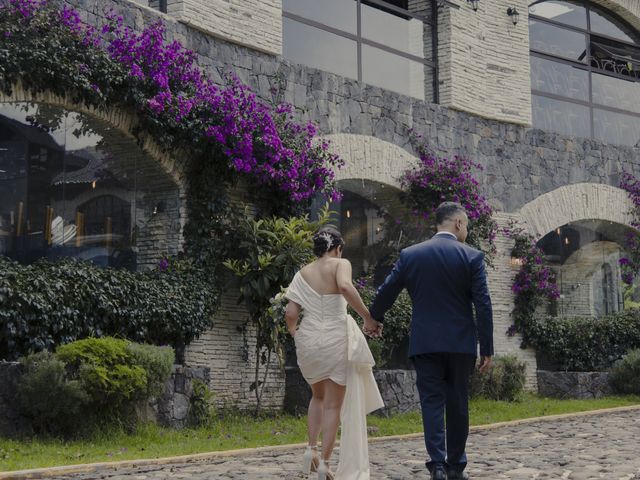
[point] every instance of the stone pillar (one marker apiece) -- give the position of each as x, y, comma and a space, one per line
500, 279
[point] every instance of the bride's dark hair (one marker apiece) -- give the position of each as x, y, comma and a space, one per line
325, 240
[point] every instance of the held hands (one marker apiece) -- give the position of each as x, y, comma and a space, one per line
371, 327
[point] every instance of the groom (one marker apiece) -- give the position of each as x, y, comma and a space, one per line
445, 278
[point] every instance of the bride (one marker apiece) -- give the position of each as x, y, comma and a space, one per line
334, 359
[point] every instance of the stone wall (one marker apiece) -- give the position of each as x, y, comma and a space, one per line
573, 384
171, 409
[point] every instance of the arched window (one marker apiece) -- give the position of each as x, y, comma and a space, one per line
73, 186
585, 71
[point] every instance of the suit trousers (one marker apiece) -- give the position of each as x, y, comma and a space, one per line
443, 384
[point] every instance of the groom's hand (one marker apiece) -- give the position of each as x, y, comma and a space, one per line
485, 363
372, 327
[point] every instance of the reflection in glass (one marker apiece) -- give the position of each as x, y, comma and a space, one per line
606, 25
569, 13
404, 34
616, 128
319, 49
616, 92
68, 188
559, 78
557, 41
562, 117
392, 72
338, 14
585, 259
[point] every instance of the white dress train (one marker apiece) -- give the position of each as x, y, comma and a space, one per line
330, 345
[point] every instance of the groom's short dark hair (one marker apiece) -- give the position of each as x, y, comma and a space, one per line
447, 210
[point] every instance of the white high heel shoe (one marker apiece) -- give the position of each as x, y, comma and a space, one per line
310, 459
324, 472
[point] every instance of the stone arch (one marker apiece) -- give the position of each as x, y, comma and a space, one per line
579, 201
125, 122
370, 158
629, 10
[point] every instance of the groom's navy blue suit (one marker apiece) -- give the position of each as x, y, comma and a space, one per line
445, 280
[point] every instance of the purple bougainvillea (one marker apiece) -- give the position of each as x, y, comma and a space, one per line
630, 265
534, 281
436, 179
182, 107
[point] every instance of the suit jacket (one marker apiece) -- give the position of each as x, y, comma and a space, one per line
445, 279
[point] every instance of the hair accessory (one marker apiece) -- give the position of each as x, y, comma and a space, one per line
328, 238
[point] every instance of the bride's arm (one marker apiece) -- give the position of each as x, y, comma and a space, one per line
291, 315
345, 285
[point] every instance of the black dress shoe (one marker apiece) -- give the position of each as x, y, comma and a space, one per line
455, 475
438, 473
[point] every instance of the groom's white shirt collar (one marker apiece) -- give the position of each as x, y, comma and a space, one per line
446, 233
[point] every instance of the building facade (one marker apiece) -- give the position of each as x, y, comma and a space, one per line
545, 95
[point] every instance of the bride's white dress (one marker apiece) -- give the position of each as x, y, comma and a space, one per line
330, 345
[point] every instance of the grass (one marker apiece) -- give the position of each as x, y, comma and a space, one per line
237, 431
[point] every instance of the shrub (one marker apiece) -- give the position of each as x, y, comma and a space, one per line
201, 410
586, 344
157, 363
47, 396
106, 370
98, 380
503, 381
625, 374
52, 303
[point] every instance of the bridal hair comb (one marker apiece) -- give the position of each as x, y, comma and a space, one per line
326, 236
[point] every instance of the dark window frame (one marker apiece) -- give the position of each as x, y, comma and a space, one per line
360, 40
587, 66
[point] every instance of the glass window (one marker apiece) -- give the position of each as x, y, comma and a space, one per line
68, 187
557, 41
607, 25
318, 48
616, 92
338, 14
562, 117
611, 80
559, 78
616, 128
404, 34
569, 13
392, 72
347, 35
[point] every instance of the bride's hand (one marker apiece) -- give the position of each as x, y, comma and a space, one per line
371, 327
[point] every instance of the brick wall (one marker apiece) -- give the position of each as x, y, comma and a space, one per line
484, 61
253, 23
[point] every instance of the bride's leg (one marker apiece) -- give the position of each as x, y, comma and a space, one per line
314, 417
333, 398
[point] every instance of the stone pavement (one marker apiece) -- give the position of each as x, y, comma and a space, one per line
577, 448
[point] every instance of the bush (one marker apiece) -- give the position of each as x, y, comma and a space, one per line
157, 363
52, 303
625, 374
586, 344
48, 396
201, 410
98, 380
503, 381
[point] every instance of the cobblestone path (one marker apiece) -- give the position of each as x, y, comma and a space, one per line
578, 448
